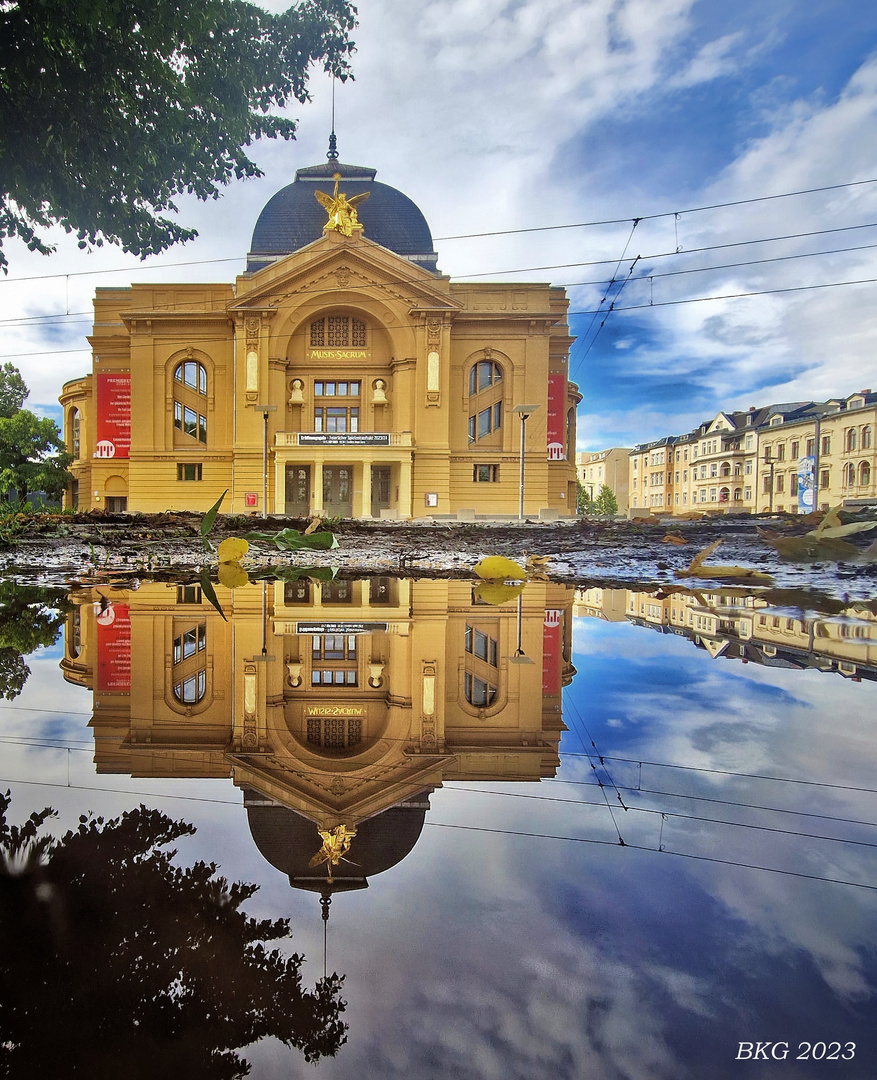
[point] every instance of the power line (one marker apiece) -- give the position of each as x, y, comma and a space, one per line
731, 772
476, 828
722, 296
664, 214
661, 850
472, 236
31, 319
674, 814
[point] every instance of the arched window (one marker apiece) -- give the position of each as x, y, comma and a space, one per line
849, 474
865, 474
483, 375
481, 674
866, 437
75, 425
190, 403
190, 662
852, 439
337, 331
485, 403
724, 495
192, 374
738, 494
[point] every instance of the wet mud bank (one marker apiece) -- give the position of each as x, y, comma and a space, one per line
586, 553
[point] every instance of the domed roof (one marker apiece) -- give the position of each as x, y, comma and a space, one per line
289, 841
294, 218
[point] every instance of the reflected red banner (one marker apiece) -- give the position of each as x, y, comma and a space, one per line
114, 648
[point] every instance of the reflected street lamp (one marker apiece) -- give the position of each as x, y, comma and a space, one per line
264, 410
520, 656
524, 412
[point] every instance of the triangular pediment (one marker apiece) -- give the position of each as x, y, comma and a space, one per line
325, 796
340, 263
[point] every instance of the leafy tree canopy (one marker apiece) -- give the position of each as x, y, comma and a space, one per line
32, 455
117, 961
30, 616
111, 108
13, 390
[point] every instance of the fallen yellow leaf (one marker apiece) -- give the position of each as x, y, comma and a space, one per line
498, 568
232, 550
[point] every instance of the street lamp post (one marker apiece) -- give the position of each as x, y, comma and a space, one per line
524, 411
264, 410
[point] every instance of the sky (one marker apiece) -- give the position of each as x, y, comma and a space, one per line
678, 122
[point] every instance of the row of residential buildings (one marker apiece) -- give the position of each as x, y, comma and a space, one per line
794, 457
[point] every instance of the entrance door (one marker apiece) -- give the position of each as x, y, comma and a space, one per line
298, 490
380, 489
338, 490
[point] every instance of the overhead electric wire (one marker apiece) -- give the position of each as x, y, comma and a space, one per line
473, 236
664, 214
480, 829
661, 850
31, 319
722, 802
674, 814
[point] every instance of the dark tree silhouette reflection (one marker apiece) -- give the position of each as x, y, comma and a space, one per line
116, 961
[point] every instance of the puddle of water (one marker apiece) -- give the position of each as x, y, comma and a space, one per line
602, 833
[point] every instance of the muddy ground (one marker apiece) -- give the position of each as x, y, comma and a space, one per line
584, 552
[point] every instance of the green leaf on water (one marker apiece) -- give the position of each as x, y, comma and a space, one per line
209, 518
208, 591
293, 540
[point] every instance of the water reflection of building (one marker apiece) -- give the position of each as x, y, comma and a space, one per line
751, 628
341, 702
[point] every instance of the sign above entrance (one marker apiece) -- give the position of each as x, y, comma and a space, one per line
340, 627
339, 354
336, 438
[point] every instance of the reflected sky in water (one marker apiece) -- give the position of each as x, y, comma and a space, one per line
561, 952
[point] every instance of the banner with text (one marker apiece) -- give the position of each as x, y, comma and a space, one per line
806, 484
114, 648
556, 417
113, 414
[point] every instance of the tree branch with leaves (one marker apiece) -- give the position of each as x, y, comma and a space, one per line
110, 109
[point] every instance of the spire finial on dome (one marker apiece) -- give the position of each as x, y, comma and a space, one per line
333, 145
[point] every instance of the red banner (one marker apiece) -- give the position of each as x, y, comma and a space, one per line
113, 414
551, 637
556, 417
113, 648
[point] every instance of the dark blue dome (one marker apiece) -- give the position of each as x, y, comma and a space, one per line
294, 218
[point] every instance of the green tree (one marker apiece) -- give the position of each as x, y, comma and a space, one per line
117, 961
32, 455
13, 390
606, 503
584, 502
30, 616
109, 109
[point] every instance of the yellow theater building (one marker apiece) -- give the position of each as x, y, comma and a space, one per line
336, 703
341, 374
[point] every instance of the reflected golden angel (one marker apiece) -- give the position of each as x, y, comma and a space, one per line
336, 844
341, 210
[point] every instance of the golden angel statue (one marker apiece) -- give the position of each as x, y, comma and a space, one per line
336, 844
341, 210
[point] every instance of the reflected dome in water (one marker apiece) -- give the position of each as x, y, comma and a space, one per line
289, 841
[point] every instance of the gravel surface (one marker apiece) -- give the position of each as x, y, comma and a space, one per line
582, 552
